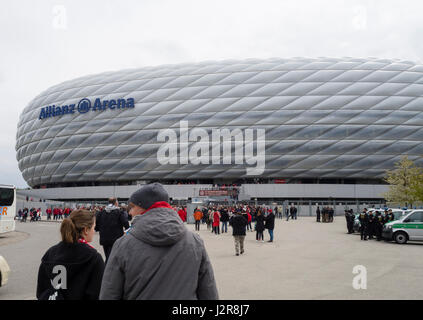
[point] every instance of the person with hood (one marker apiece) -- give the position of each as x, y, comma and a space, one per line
159, 258
72, 269
111, 223
239, 223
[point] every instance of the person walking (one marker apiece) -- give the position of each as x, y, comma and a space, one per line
224, 218
331, 213
239, 224
159, 258
270, 224
209, 220
32, 215
111, 222
259, 226
205, 212
275, 210
67, 212
25, 215
76, 259
198, 215
216, 221
292, 212
250, 219
48, 211
287, 213
318, 214
183, 214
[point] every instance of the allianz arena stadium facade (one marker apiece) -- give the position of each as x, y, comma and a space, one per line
324, 120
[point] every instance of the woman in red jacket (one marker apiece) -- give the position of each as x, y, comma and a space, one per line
183, 214
216, 221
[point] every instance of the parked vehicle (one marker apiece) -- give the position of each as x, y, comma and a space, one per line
7, 208
407, 228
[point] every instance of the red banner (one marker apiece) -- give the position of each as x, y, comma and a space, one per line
205, 193
280, 181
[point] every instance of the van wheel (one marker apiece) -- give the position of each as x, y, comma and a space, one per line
400, 237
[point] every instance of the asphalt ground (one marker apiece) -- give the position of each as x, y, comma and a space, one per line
307, 260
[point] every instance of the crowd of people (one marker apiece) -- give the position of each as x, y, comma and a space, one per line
160, 240
326, 214
218, 217
52, 213
33, 214
371, 223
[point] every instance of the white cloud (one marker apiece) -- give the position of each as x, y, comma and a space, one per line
109, 35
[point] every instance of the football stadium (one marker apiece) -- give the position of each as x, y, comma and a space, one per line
300, 129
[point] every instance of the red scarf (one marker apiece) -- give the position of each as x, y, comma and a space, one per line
159, 204
81, 240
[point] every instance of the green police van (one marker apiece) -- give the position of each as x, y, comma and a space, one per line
408, 227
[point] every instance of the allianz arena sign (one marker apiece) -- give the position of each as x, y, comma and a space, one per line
84, 106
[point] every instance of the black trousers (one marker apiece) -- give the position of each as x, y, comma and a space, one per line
197, 225
259, 235
363, 232
107, 250
350, 227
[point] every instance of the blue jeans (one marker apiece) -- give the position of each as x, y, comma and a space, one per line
224, 226
271, 234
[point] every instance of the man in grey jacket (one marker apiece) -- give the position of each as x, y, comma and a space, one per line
158, 258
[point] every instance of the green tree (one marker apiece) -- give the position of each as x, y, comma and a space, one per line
417, 187
404, 182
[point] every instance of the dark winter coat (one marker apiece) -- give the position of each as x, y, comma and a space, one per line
260, 223
84, 270
110, 223
270, 221
224, 217
238, 223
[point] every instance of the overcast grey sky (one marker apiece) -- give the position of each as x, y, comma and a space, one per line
46, 42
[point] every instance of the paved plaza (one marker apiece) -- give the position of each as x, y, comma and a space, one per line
307, 260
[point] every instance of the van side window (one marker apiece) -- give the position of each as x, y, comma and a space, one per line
416, 217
